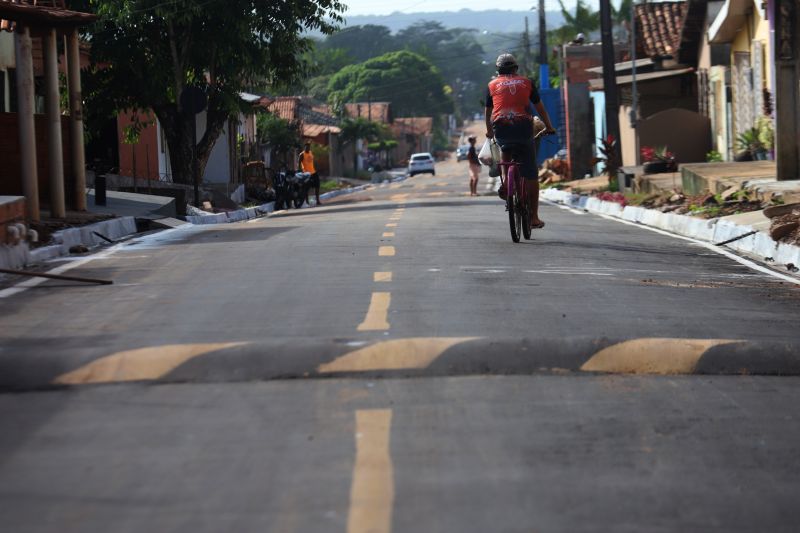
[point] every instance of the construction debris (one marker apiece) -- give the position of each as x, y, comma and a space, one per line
553, 170
785, 225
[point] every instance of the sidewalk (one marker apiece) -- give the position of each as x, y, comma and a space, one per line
783, 257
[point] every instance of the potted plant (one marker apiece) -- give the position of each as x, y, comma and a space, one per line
766, 136
611, 163
658, 160
750, 145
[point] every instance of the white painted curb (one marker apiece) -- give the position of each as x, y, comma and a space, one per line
114, 229
759, 245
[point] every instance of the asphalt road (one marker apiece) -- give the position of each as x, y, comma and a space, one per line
391, 361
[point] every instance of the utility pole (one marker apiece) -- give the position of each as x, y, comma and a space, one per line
544, 71
526, 42
787, 76
610, 77
634, 95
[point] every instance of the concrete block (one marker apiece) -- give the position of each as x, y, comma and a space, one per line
14, 257
787, 253
46, 253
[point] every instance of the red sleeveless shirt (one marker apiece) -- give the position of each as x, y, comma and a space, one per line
510, 96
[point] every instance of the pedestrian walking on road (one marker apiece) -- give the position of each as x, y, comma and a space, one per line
306, 164
474, 167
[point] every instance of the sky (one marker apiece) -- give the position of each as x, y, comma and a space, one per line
378, 7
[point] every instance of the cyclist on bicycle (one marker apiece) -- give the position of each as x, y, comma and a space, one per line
508, 119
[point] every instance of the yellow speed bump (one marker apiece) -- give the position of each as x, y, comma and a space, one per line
141, 364
397, 354
652, 356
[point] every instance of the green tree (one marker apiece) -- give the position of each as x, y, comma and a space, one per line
361, 42
584, 20
354, 130
409, 81
456, 53
146, 52
283, 136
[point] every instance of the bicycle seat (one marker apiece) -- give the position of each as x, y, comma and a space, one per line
513, 147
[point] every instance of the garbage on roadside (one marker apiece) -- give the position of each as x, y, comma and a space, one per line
785, 226
553, 171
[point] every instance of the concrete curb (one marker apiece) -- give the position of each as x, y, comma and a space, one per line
759, 245
239, 215
397, 358
250, 213
114, 229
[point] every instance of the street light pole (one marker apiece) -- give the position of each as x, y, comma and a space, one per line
544, 72
634, 116
610, 78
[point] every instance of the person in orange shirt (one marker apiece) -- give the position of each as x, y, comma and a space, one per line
509, 121
306, 164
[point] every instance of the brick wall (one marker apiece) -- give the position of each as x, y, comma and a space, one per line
10, 169
12, 209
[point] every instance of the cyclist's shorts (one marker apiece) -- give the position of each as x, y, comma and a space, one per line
516, 137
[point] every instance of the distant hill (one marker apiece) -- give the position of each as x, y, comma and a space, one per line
493, 20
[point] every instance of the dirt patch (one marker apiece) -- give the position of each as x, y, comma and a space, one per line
47, 226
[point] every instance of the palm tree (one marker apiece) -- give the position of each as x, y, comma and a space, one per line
583, 21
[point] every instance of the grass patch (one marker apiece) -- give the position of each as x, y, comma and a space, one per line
330, 185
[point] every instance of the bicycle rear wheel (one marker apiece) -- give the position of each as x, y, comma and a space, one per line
512, 203
526, 211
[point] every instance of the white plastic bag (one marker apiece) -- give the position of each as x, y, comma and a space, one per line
486, 155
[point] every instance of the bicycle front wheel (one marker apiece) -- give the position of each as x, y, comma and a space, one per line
526, 211
512, 203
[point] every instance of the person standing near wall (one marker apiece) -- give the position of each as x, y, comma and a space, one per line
306, 164
474, 167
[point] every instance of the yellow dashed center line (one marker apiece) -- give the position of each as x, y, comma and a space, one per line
386, 251
388, 234
372, 488
381, 277
377, 314
391, 225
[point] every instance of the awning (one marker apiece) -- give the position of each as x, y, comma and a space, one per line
42, 16
729, 21
597, 84
314, 130
625, 65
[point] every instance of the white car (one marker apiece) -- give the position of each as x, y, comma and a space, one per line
421, 164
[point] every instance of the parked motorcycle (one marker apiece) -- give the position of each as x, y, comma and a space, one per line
302, 184
291, 188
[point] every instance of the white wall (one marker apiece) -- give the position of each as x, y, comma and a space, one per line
7, 59
218, 166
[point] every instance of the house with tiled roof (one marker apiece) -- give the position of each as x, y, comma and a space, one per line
380, 112
413, 135
581, 63
148, 159
741, 89
42, 149
669, 44
318, 126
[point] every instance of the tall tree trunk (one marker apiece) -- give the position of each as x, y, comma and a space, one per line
177, 128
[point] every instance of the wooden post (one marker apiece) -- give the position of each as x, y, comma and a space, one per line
787, 79
55, 155
76, 120
27, 126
